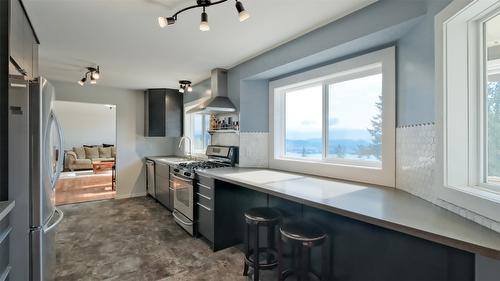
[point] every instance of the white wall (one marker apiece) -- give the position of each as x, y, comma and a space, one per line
86, 123
131, 144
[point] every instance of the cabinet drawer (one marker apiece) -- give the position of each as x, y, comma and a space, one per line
205, 222
206, 181
205, 190
204, 200
162, 169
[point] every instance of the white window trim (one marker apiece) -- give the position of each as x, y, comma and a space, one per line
458, 127
384, 175
188, 127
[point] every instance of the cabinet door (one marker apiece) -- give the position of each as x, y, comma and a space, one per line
155, 113
171, 191
162, 190
174, 115
205, 221
16, 34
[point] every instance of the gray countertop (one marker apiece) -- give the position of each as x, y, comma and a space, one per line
386, 207
170, 160
5, 208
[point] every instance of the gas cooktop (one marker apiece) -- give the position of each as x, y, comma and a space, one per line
192, 166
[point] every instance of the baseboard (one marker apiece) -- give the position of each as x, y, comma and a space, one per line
124, 196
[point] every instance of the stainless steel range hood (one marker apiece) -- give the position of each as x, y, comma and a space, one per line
218, 102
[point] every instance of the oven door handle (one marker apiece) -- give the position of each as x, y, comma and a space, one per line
180, 220
182, 179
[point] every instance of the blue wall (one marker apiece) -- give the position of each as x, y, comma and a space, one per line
407, 24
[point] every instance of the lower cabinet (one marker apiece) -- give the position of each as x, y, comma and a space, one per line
163, 193
204, 206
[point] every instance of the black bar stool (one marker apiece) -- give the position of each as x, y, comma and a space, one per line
303, 236
255, 218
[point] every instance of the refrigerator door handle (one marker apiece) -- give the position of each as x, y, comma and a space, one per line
53, 176
47, 229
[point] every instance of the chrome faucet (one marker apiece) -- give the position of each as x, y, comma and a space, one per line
184, 139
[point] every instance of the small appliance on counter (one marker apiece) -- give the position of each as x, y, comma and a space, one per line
182, 182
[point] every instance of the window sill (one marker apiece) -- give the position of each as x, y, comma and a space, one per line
476, 199
364, 174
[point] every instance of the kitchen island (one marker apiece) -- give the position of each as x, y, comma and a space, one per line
378, 233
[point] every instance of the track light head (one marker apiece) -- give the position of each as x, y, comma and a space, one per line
162, 21
82, 82
204, 22
242, 13
96, 75
189, 88
170, 20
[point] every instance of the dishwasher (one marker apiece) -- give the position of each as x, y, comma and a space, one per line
150, 178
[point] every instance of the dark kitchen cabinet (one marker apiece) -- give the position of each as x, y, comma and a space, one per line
163, 113
204, 207
23, 43
163, 184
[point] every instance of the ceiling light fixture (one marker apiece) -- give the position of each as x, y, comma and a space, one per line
185, 85
94, 73
242, 13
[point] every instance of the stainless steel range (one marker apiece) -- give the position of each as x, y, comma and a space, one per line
183, 176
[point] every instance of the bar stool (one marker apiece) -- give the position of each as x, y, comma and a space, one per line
255, 218
303, 236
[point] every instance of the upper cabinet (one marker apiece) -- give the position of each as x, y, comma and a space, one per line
23, 42
163, 113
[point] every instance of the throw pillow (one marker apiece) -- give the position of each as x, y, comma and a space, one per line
107, 145
91, 152
80, 152
89, 145
104, 152
113, 152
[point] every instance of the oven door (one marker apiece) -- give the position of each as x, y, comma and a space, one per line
183, 195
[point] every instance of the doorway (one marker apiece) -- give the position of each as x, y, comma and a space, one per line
89, 152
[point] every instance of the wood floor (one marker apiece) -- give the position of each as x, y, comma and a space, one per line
83, 186
136, 240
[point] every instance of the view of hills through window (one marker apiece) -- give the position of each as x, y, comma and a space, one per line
354, 120
492, 107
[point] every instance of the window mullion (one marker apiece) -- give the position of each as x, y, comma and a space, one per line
325, 125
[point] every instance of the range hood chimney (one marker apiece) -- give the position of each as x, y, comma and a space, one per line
218, 102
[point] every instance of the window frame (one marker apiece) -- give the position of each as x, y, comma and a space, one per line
348, 169
460, 87
189, 128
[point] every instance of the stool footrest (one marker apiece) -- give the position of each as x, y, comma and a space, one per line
263, 263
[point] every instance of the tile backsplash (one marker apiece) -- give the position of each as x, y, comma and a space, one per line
254, 147
416, 165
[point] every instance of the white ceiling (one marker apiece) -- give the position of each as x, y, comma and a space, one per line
124, 38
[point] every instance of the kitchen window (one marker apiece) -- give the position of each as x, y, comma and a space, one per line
337, 120
468, 105
197, 127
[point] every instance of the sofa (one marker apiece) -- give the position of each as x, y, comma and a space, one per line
81, 158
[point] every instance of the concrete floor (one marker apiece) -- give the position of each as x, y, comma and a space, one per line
135, 239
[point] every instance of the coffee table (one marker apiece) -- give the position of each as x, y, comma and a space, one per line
99, 166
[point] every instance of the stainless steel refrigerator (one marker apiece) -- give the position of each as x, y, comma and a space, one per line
35, 163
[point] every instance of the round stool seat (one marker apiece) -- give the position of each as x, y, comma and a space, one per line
302, 231
262, 215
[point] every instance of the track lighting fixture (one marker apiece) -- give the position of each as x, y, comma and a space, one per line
94, 73
185, 85
242, 13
